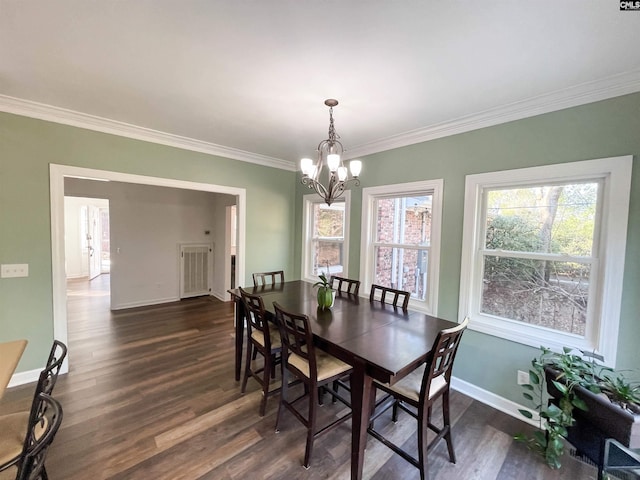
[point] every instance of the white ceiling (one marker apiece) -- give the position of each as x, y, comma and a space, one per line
248, 78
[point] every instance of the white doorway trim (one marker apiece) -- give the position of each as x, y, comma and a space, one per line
57, 173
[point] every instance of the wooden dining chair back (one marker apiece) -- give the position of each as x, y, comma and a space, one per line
342, 284
263, 337
49, 376
266, 278
390, 296
15, 425
416, 394
44, 423
314, 368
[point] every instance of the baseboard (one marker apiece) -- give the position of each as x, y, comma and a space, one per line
145, 303
495, 401
24, 377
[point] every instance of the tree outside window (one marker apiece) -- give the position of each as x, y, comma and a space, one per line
538, 253
543, 254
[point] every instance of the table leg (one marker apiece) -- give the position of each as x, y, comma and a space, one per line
361, 385
239, 337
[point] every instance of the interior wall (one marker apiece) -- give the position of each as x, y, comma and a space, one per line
29, 146
599, 130
148, 224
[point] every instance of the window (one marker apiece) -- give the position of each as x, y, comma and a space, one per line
543, 253
401, 247
325, 243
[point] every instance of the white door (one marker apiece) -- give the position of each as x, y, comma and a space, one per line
93, 241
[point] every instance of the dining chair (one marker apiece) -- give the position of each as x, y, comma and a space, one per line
314, 368
44, 421
347, 285
390, 296
416, 394
263, 337
266, 278
10, 353
15, 426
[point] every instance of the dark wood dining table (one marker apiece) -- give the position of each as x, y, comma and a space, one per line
380, 342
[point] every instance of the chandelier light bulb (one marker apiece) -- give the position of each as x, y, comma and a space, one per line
356, 167
342, 173
333, 161
306, 164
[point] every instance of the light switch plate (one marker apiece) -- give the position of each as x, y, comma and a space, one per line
14, 270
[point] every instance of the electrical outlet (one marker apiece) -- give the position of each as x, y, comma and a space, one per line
14, 270
523, 377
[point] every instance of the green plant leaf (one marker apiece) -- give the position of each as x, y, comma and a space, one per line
527, 396
540, 438
520, 437
562, 388
526, 413
579, 403
534, 378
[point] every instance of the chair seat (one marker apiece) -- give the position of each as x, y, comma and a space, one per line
409, 386
328, 366
9, 474
14, 430
276, 343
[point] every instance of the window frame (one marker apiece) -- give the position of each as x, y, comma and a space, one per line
601, 332
368, 242
308, 201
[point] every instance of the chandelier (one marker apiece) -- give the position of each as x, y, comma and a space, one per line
330, 156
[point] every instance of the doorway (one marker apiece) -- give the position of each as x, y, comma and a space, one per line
86, 233
57, 176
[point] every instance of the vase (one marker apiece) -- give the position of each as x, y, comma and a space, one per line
326, 296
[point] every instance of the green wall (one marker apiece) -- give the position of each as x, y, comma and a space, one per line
598, 130
28, 146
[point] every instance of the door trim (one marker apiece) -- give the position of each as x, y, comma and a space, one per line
57, 173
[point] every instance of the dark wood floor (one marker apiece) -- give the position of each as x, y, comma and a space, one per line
151, 395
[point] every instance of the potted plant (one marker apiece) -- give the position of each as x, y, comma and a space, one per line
587, 403
326, 294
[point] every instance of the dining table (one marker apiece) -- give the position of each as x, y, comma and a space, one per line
379, 341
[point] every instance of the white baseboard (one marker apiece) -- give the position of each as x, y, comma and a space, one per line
495, 401
144, 303
24, 377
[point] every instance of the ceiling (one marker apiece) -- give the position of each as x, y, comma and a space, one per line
248, 78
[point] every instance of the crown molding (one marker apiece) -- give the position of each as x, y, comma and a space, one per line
589, 92
64, 116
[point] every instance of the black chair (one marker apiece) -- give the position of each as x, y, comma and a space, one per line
266, 278
14, 427
416, 394
263, 338
351, 287
390, 296
314, 368
45, 419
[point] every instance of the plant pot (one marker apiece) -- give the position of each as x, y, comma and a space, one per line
326, 297
602, 419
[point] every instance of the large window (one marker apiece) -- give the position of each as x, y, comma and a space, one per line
325, 243
401, 244
544, 253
